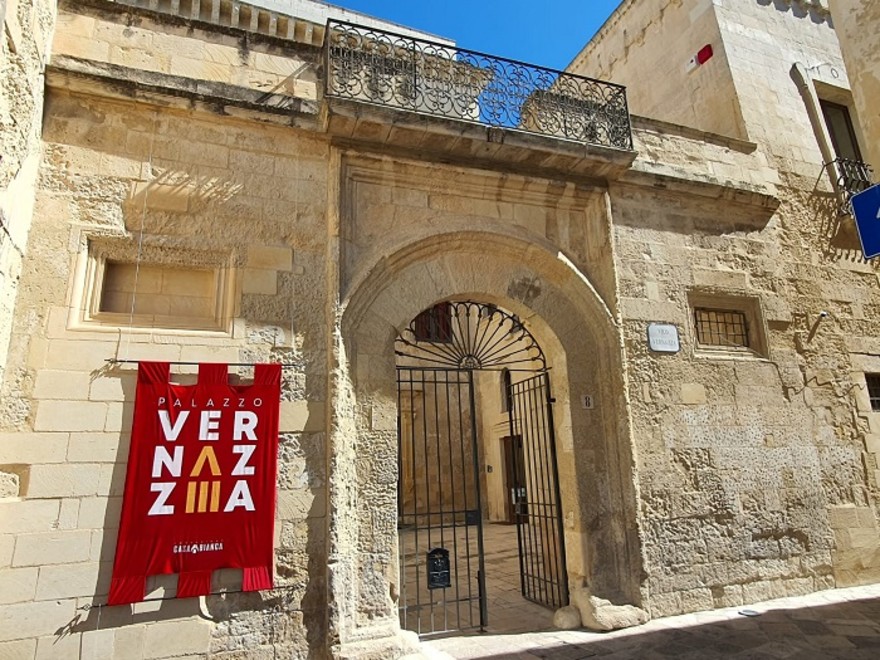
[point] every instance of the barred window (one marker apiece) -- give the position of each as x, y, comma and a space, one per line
873, 382
724, 328
434, 324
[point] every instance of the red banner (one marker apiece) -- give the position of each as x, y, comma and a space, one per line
200, 486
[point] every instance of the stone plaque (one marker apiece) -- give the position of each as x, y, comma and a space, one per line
663, 338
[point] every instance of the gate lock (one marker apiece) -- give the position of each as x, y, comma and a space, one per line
438, 569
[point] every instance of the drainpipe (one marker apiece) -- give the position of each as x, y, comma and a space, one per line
808, 92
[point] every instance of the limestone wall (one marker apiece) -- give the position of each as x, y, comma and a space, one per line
646, 45
854, 22
757, 472
27, 29
172, 188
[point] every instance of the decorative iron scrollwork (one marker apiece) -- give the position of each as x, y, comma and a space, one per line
374, 66
469, 335
851, 177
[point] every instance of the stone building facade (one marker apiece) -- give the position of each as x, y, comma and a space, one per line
225, 182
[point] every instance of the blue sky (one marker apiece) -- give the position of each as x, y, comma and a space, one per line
548, 33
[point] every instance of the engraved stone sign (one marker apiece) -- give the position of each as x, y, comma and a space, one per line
663, 338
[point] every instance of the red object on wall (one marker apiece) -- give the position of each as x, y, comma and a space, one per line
200, 486
704, 54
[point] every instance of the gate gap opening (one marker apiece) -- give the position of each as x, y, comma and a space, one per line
479, 517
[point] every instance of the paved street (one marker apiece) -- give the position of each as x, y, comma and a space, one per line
842, 623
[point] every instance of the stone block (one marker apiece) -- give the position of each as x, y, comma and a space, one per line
162, 197
29, 516
69, 514
17, 585
77, 46
383, 418
96, 448
725, 279
26, 620
72, 385
55, 647
129, 642
301, 417
31, 448
99, 512
119, 417
270, 258
70, 416
111, 388
843, 517
197, 353
68, 581
693, 393
70, 480
99, 645
260, 281
52, 548
7, 546
22, 649
648, 310
300, 504
170, 638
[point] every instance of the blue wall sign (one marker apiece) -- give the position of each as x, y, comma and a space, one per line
866, 211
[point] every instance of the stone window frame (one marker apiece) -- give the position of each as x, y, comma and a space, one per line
813, 92
748, 305
88, 288
872, 391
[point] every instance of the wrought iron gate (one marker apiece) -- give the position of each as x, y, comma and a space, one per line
442, 576
543, 575
440, 514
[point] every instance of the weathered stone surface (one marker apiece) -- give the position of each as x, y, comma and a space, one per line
600, 614
567, 618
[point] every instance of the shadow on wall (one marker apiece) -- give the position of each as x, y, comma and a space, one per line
801, 9
289, 618
841, 240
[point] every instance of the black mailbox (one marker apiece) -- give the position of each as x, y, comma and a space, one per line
438, 569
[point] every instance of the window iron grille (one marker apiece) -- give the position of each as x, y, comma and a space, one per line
721, 328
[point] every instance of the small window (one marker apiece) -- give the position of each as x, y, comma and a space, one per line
434, 324
727, 324
840, 128
723, 328
506, 399
873, 383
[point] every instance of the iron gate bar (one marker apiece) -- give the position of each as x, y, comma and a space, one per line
446, 519
539, 519
562, 571
440, 500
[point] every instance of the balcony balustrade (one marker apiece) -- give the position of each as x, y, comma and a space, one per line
850, 177
442, 80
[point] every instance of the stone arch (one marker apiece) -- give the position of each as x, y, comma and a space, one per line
579, 334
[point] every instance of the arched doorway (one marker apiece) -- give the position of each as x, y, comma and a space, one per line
455, 361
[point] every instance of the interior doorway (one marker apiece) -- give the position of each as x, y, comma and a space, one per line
463, 565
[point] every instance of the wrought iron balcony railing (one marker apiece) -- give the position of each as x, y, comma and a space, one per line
373, 66
850, 177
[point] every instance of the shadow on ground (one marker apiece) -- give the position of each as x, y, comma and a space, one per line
849, 630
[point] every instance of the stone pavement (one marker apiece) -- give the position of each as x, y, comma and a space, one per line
840, 623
